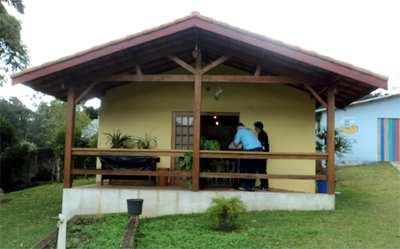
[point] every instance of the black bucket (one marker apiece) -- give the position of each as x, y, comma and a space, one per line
135, 206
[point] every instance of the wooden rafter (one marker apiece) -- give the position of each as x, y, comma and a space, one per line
322, 90
182, 64
205, 78
85, 92
213, 64
316, 95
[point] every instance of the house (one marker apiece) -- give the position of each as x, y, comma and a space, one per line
175, 82
372, 126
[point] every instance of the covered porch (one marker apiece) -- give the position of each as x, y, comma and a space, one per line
191, 52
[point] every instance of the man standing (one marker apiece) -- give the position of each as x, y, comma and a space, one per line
263, 138
249, 142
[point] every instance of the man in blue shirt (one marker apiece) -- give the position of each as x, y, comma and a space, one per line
249, 142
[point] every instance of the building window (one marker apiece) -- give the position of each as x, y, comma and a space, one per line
183, 131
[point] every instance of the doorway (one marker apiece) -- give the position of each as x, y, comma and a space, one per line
217, 127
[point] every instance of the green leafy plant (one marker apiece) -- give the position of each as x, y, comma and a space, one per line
225, 213
118, 140
186, 162
342, 143
209, 144
146, 142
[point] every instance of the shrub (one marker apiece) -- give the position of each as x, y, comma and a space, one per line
342, 143
186, 162
225, 213
209, 144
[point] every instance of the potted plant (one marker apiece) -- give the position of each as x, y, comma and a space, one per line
146, 142
185, 163
118, 140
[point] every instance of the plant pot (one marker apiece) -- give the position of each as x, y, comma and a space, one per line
135, 206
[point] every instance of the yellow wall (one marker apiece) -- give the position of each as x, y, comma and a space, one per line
287, 113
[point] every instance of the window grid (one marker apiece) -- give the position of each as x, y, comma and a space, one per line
183, 131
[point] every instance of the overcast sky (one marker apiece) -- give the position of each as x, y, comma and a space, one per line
364, 33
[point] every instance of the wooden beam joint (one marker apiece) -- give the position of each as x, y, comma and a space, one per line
316, 95
182, 64
214, 64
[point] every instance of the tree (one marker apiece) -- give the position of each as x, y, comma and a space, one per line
15, 112
7, 135
13, 54
49, 121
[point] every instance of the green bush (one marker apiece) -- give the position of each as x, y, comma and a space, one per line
225, 213
209, 144
186, 162
342, 143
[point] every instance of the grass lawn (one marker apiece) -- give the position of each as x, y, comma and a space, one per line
27, 216
367, 215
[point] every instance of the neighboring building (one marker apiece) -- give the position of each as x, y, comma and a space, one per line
373, 128
198, 77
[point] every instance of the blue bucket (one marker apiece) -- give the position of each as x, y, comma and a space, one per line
322, 186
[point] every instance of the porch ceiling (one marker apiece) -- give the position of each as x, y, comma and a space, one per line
150, 49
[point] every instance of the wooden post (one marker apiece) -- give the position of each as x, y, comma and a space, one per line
331, 140
69, 138
196, 125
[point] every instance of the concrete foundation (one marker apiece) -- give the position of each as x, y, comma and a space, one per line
158, 201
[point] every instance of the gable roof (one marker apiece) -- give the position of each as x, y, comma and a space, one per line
358, 80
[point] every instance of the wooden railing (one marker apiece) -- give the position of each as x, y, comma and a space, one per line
203, 154
127, 152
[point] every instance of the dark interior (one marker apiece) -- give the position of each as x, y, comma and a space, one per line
220, 127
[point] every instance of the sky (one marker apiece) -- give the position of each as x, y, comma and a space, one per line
364, 33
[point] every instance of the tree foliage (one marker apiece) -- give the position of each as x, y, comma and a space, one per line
18, 115
7, 134
23, 130
49, 121
13, 54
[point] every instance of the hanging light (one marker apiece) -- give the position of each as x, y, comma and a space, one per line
217, 123
215, 117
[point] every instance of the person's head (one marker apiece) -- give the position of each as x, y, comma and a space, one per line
239, 125
258, 126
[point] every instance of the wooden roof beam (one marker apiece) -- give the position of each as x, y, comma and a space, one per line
316, 95
214, 64
205, 78
85, 92
182, 64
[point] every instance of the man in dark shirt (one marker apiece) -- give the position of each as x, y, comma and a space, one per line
263, 138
